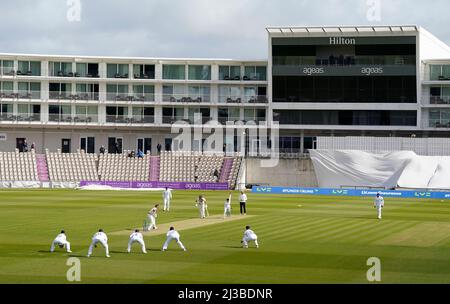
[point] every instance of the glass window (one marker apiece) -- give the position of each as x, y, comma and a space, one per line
227, 72
117, 70
446, 71
199, 72
6, 108
7, 86
249, 114
144, 71
255, 73
81, 70
176, 72
23, 108
23, 67
234, 113
7, 67
23, 86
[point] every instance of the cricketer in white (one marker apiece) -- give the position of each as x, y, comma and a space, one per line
227, 207
136, 237
379, 204
152, 215
173, 235
61, 241
99, 237
167, 196
249, 236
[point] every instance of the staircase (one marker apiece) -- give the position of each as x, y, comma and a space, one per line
42, 169
226, 170
154, 168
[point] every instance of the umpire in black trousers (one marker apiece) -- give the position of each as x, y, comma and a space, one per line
243, 203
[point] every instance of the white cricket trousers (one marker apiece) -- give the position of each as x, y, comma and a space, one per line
379, 209
202, 210
227, 211
95, 242
246, 240
152, 220
166, 204
136, 240
60, 242
169, 239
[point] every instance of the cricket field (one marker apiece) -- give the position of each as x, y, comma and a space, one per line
303, 239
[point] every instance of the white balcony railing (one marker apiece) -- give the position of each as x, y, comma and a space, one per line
8, 94
71, 118
439, 100
439, 123
20, 117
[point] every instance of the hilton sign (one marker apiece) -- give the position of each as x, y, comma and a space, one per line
342, 41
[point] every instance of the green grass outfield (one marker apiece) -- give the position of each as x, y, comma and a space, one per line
325, 240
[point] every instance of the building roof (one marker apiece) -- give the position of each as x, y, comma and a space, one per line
356, 29
123, 58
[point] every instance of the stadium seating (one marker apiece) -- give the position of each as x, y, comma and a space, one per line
80, 166
15, 166
71, 167
232, 178
120, 167
190, 167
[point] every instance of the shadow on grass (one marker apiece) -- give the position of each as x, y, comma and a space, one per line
233, 247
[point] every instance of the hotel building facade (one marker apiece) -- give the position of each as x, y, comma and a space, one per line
317, 81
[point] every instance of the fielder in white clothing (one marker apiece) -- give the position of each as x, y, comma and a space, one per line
227, 208
379, 204
99, 237
61, 241
136, 237
167, 196
152, 215
173, 235
249, 236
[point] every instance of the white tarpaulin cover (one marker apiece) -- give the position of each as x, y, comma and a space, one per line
402, 169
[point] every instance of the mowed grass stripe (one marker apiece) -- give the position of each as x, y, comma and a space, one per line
301, 230
268, 233
381, 228
362, 230
332, 230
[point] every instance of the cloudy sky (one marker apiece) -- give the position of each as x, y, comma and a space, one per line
190, 28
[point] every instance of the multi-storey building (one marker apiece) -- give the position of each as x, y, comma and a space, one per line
338, 81
76, 102
357, 81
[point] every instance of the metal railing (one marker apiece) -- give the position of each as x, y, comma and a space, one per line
439, 100
70, 118
440, 78
243, 99
439, 123
7, 71
23, 117
130, 97
20, 94
135, 119
183, 98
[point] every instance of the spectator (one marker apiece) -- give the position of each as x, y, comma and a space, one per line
216, 174
25, 146
116, 148
159, 147
33, 146
140, 154
102, 149
131, 154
